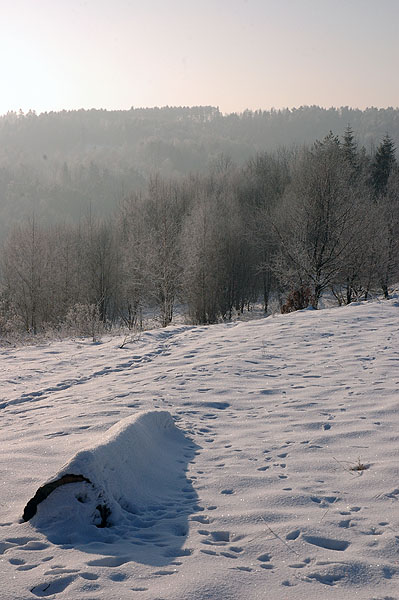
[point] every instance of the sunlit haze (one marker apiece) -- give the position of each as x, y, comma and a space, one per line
235, 54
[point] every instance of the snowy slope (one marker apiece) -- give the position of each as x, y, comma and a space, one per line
254, 498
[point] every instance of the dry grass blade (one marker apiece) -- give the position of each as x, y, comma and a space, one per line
347, 469
359, 466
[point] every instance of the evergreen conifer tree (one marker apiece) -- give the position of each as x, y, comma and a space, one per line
382, 165
350, 150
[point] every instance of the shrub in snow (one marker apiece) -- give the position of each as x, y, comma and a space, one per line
297, 300
12, 326
84, 320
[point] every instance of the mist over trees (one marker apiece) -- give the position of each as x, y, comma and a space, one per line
57, 164
288, 225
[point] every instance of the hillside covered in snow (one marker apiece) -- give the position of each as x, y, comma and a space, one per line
255, 460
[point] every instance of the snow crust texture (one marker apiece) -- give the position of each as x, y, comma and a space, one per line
255, 460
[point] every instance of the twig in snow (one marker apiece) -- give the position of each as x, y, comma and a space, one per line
328, 509
279, 538
129, 339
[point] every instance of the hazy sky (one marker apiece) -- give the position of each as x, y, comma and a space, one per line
234, 54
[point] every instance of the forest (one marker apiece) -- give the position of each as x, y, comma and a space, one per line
290, 223
59, 165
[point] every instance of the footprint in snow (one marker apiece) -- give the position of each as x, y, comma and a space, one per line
327, 543
210, 552
50, 588
265, 559
300, 565
89, 576
16, 561
203, 519
108, 561
293, 535
139, 589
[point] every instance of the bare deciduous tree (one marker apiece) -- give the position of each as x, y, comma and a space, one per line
317, 221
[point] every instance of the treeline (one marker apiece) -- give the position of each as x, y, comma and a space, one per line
294, 223
57, 164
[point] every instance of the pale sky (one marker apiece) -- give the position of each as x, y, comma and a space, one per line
235, 54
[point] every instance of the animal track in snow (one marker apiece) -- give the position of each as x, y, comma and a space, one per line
327, 543
165, 572
225, 541
324, 501
300, 565
210, 552
264, 557
293, 535
89, 576
53, 587
109, 561
16, 561
264, 560
201, 519
327, 578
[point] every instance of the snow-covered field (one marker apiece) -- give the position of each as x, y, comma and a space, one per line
249, 493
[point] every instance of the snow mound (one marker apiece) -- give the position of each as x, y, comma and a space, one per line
135, 465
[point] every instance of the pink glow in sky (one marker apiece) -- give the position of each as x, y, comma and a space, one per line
235, 54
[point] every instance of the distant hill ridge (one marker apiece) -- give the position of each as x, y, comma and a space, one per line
57, 164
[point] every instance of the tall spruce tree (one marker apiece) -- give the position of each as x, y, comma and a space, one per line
382, 165
350, 149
